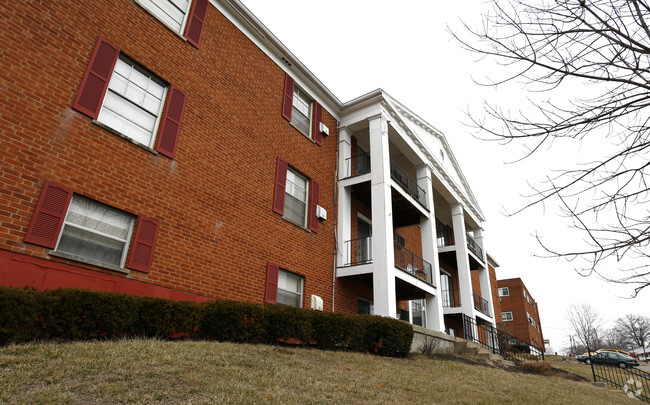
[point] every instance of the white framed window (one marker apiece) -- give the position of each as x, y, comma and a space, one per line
172, 13
295, 200
506, 316
504, 292
290, 289
96, 232
301, 114
133, 102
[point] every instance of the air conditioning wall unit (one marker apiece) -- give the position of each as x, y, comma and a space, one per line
321, 213
323, 129
316, 303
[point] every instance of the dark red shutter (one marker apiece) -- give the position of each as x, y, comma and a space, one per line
170, 122
317, 119
271, 291
280, 186
195, 22
287, 101
95, 82
49, 215
143, 244
314, 200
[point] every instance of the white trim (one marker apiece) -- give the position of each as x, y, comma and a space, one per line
503, 319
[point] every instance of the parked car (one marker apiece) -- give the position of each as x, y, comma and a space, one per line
610, 358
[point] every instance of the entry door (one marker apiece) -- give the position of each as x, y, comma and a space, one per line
364, 231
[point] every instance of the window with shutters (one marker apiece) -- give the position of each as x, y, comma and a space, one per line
81, 229
133, 103
296, 197
130, 101
185, 17
295, 200
96, 232
290, 289
304, 113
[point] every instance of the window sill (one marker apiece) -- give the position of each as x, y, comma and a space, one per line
126, 138
303, 134
304, 228
87, 261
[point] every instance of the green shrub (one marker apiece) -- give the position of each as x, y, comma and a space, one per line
75, 314
233, 321
387, 337
19, 314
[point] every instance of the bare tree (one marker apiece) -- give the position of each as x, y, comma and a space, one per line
603, 46
615, 338
636, 328
586, 323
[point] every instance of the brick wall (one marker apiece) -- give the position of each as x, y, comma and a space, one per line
214, 200
518, 305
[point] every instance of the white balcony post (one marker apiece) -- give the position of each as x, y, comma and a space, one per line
344, 227
383, 263
434, 312
462, 260
484, 273
345, 153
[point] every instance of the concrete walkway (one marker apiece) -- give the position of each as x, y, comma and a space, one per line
644, 367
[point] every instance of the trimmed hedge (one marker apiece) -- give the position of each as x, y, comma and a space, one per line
73, 314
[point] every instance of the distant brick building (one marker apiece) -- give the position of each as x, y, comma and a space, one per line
519, 312
178, 149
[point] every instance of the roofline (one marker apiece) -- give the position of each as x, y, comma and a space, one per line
267, 36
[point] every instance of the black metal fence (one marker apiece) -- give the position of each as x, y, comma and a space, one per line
500, 342
474, 247
357, 165
633, 382
410, 185
358, 251
481, 304
413, 264
451, 298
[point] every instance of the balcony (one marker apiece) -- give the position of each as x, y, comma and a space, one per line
474, 247
451, 298
411, 186
413, 264
357, 165
359, 251
481, 305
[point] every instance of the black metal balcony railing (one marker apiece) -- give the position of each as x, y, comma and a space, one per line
410, 185
444, 234
359, 251
474, 247
451, 298
357, 165
481, 304
412, 263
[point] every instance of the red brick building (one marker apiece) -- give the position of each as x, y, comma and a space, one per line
178, 149
519, 313
166, 145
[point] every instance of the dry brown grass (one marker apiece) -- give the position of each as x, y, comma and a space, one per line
149, 371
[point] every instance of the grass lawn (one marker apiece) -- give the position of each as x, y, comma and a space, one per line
150, 371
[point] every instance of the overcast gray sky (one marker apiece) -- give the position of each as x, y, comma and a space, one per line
404, 48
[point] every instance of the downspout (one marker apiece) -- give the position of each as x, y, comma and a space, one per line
336, 216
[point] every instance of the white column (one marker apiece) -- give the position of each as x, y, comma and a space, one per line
484, 274
345, 152
435, 315
462, 260
344, 227
383, 262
